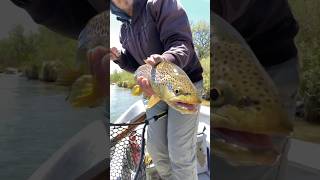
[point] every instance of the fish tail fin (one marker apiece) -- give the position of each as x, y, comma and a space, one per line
136, 90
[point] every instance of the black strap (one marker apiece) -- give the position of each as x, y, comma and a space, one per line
146, 121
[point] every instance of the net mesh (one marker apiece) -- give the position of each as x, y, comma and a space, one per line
125, 153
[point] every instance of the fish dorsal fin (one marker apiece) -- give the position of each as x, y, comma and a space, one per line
153, 101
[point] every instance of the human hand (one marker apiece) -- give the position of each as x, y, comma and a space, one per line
146, 87
114, 54
99, 67
154, 59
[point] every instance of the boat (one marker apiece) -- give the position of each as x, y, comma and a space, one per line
85, 156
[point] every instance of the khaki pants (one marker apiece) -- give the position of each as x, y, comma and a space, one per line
286, 78
171, 142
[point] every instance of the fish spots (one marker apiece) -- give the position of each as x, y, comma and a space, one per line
247, 101
233, 65
97, 27
174, 79
223, 69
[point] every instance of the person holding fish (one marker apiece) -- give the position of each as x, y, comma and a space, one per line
156, 36
269, 28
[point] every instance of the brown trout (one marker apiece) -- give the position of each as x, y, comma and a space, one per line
170, 84
246, 115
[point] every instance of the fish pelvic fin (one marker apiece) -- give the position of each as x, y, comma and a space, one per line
136, 90
153, 101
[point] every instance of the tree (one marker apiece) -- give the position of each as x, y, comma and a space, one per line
54, 47
201, 38
22, 46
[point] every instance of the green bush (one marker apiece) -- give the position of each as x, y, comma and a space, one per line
205, 63
121, 76
22, 49
308, 42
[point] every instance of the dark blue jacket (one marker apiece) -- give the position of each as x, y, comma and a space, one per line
268, 26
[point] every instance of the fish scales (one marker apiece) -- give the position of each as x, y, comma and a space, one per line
248, 98
248, 118
172, 85
96, 32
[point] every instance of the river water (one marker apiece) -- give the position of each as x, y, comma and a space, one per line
120, 100
35, 121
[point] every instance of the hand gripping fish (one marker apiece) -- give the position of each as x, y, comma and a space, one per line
85, 90
170, 84
247, 117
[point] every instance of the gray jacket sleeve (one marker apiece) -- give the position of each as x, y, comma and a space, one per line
126, 61
175, 33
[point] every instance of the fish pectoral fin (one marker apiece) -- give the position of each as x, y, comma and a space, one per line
153, 101
136, 90
84, 92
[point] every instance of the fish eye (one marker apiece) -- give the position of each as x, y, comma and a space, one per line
177, 91
215, 94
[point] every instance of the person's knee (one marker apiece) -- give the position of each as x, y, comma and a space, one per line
158, 151
182, 157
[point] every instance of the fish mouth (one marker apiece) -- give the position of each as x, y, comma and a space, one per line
187, 106
244, 148
268, 122
244, 139
245, 144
